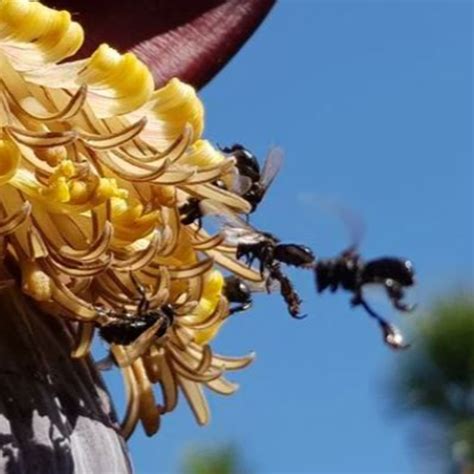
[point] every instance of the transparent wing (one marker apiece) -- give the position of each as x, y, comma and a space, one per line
353, 222
224, 215
235, 229
265, 286
235, 182
235, 236
271, 167
241, 184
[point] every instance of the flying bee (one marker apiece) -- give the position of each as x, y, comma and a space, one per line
349, 272
258, 182
252, 245
126, 327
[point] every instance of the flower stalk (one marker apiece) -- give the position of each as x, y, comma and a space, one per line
56, 414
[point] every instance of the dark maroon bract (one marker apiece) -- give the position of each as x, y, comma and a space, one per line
188, 39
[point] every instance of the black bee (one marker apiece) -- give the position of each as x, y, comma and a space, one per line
250, 183
124, 327
258, 181
267, 249
351, 273
245, 161
237, 291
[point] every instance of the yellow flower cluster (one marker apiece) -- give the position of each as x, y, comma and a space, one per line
94, 165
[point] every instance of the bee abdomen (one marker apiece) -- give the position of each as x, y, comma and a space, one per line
296, 255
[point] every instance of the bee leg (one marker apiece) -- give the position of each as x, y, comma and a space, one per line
358, 300
266, 259
268, 284
287, 292
144, 304
391, 335
103, 315
239, 308
166, 323
395, 294
240, 253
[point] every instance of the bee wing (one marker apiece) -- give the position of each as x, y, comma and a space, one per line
271, 167
265, 286
241, 184
223, 215
235, 236
353, 222
234, 228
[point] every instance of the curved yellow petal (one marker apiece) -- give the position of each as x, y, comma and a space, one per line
120, 82
169, 110
211, 295
202, 154
33, 35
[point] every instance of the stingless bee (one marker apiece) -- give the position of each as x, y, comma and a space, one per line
236, 290
257, 182
125, 327
253, 244
348, 271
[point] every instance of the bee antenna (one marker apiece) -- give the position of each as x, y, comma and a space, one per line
138, 285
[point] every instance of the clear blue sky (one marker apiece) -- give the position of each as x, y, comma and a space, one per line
372, 102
